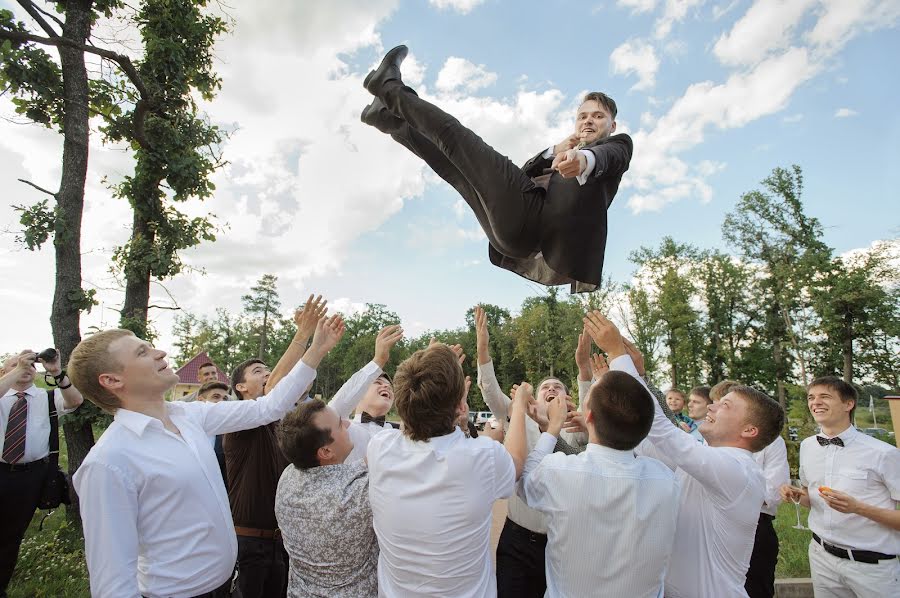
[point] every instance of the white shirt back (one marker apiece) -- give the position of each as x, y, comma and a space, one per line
588, 499
431, 506
773, 462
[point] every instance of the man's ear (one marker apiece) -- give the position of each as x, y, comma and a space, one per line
612, 129
241, 387
750, 432
111, 382
324, 454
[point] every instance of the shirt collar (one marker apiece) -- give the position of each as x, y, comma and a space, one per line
846, 436
440, 443
610, 453
31, 391
138, 422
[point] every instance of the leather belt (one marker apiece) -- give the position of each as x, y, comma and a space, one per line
859, 556
252, 532
23, 466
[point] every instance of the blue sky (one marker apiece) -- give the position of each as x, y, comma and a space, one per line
715, 94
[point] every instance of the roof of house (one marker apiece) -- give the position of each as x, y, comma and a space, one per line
187, 374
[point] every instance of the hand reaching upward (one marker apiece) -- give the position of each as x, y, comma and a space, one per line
384, 342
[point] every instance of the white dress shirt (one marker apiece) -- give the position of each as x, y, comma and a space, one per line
156, 516
588, 496
345, 401
498, 402
588, 169
37, 423
865, 468
722, 492
431, 509
773, 462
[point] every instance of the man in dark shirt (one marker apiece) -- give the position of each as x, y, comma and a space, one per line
254, 464
545, 221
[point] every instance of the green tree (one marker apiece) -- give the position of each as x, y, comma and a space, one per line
263, 303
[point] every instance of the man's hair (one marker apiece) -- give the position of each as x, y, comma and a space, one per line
212, 385
722, 388
237, 376
702, 391
764, 412
89, 359
428, 387
846, 392
602, 99
622, 410
299, 437
206, 365
678, 392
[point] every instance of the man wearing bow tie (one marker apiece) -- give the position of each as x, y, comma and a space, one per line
370, 392
851, 484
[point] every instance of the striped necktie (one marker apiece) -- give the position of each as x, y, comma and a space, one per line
14, 441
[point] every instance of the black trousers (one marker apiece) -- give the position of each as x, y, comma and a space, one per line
505, 200
520, 562
263, 568
20, 491
761, 574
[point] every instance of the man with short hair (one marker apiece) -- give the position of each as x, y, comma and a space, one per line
545, 221
215, 392
604, 488
255, 462
851, 484
698, 403
207, 372
322, 507
722, 486
25, 429
156, 517
431, 489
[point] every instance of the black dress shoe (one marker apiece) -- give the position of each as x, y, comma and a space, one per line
377, 115
388, 70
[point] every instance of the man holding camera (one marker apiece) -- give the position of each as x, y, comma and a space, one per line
25, 444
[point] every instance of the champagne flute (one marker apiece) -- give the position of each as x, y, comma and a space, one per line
795, 498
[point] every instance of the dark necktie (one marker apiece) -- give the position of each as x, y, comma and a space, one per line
366, 418
14, 441
826, 441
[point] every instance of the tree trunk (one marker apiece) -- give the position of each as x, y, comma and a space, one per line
847, 347
135, 310
65, 315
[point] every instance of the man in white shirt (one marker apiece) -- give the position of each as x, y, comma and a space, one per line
157, 522
370, 392
25, 446
521, 547
851, 484
432, 489
722, 486
773, 462
606, 489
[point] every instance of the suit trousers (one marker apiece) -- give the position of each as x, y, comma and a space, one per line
761, 574
834, 577
263, 566
505, 200
521, 562
20, 492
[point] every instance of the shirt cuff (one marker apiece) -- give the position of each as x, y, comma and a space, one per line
546, 443
589, 168
548, 154
372, 368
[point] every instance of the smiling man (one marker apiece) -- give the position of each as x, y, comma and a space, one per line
722, 486
545, 221
156, 517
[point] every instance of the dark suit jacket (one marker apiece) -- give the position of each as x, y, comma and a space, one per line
573, 219
220, 457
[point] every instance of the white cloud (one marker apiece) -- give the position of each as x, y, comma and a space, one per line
639, 57
460, 75
845, 113
767, 26
839, 21
460, 6
637, 6
675, 11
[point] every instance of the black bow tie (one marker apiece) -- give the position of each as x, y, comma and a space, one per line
366, 418
826, 441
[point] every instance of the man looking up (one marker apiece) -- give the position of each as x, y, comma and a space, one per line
432, 489
254, 463
155, 511
722, 486
604, 488
851, 484
545, 221
25, 445
322, 507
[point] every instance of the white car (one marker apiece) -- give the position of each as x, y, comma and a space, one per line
482, 417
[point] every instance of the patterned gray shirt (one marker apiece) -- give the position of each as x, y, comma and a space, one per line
326, 522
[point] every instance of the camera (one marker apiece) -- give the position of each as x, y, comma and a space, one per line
48, 354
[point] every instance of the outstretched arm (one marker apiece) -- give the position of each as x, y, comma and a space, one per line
306, 319
353, 390
487, 382
612, 157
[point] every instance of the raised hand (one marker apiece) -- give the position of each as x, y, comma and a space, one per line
583, 356
328, 333
566, 144
482, 337
598, 366
576, 422
309, 315
605, 334
636, 356
466, 386
460, 356
384, 342
557, 412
